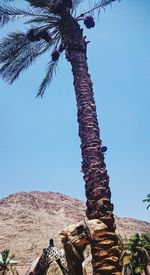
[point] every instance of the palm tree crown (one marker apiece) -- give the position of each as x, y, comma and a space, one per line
48, 32
6, 259
136, 253
147, 200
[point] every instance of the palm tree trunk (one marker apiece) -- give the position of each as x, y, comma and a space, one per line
104, 248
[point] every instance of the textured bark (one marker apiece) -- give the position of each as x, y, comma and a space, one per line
99, 206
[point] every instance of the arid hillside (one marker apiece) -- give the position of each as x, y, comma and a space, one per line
29, 220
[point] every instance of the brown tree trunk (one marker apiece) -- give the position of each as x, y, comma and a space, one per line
104, 248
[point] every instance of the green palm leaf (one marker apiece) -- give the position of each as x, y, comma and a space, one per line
6, 258
51, 20
17, 53
145, 242
8, 13
51, 69
147, 200
5, 255
97, 6
137, 250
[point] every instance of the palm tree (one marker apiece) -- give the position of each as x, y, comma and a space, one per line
57, 30
136, 253
147, 200
5, 260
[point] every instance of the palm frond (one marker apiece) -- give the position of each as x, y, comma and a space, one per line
97, 6
147, 199
51, 69
11, 44
9, 13
17, 53
76, 3
5, 255
37, 20
52, 4
46, 3
145, 241
45, 19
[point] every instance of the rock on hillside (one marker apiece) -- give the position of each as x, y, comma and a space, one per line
29, 220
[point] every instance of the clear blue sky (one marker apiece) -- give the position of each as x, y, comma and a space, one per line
39, 144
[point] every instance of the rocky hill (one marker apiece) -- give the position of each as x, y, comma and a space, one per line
29, 220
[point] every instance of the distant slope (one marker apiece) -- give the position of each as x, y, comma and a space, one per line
29, 220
